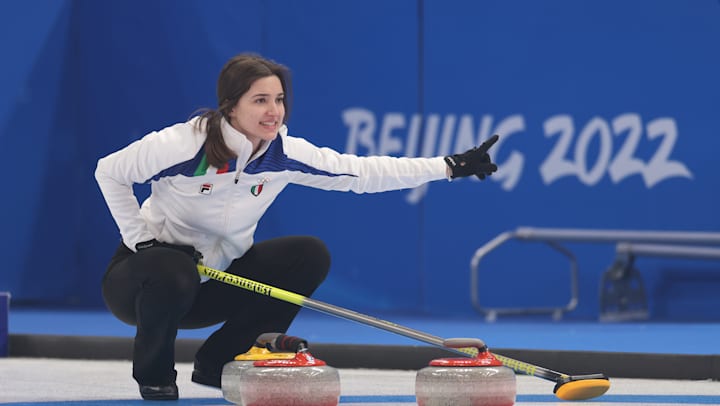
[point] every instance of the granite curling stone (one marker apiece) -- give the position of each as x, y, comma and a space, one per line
478, 381
301, 381
265, 348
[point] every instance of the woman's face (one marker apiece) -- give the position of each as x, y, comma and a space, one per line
259, 113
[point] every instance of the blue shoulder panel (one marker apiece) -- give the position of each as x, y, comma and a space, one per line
275, 160
186, 168
197, 166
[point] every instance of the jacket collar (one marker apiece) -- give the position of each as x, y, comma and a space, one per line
238, 142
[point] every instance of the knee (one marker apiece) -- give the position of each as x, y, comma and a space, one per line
174, 292
174, 273
185, 282
317, 257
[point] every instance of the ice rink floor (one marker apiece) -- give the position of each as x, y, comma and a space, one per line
81, 381
38, 381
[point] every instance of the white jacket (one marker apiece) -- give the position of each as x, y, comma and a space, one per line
217, 210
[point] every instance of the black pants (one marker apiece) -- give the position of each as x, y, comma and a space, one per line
159, 291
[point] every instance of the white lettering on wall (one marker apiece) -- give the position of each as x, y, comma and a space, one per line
561, 163
585, 152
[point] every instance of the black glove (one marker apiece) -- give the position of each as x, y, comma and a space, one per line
195, 255
473, 162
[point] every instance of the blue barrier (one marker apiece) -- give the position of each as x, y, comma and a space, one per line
4, 329
607, 111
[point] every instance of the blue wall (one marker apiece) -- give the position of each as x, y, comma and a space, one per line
609, 111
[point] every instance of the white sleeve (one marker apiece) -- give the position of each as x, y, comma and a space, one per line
367, 174
138, 163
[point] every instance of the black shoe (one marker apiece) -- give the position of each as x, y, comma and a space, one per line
162, 392
205, 377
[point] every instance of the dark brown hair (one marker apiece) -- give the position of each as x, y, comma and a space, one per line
236, 77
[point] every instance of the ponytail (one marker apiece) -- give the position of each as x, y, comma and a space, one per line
216, 151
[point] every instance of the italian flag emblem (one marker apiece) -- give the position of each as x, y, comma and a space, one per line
256, 190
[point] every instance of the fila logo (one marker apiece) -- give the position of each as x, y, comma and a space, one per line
206, 188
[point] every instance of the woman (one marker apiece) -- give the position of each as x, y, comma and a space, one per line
212, 179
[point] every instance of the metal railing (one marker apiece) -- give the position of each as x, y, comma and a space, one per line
629, 244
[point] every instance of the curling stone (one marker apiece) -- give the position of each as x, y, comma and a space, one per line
263, 349
478, 381
301, 381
